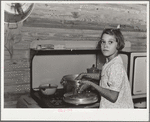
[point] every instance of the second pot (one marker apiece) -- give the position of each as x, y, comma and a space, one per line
69, 83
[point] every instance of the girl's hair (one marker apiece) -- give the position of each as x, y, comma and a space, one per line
117, 34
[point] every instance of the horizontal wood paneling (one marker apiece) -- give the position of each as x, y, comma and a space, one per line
88, 16
136, 38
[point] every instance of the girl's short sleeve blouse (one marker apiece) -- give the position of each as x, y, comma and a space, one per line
114, 77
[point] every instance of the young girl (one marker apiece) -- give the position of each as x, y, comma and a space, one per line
114, 87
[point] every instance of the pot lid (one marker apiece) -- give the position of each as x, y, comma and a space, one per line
80, 98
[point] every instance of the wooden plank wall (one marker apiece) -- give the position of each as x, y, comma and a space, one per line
71, 22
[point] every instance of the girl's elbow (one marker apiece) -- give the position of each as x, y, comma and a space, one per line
115, 97
114, 100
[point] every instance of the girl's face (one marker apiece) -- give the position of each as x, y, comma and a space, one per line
109, 46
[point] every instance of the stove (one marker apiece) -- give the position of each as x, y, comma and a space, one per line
49, 65
54, 101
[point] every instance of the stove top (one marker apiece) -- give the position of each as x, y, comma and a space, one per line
54, 101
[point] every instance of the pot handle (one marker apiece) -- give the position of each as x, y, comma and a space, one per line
50, 86
40, 88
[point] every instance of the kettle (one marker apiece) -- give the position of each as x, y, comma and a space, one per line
93, 69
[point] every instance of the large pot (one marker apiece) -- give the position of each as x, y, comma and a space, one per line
71, 86
69, 83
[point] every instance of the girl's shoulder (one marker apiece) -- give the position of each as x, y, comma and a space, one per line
116, 69
117, 62
116, 65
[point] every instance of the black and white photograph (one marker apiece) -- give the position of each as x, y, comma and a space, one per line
75, 60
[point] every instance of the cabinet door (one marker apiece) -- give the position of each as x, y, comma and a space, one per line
139, 76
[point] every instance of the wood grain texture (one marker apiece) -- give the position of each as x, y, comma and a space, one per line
65, 22
89, 16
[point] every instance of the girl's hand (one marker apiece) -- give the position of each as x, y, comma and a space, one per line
85, 82
84, 85
80, 76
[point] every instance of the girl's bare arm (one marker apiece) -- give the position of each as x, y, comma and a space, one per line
106, 93
89, 76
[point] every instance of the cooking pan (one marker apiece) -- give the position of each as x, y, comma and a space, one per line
80, 98
70, 83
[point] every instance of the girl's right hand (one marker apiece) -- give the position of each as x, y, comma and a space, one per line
87, 82
80, 76
84, 84
83, 87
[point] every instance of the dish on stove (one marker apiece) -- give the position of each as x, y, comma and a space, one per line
47, 89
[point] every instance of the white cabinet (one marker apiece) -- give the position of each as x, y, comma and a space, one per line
135, 62
139, 76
